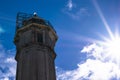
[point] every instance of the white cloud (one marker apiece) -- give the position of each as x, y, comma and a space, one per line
96, 67
75, 12
70, 5
1, 30
10, 60
78, 14
7, 64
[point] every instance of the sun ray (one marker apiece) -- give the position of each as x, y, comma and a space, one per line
102, 18
111, 44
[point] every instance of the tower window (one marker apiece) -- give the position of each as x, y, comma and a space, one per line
40, 37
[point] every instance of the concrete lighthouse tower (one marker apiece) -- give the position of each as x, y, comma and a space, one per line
35, 39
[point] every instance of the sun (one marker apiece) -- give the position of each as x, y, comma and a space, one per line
111, 47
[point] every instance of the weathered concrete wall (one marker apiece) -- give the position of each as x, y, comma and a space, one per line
36, 63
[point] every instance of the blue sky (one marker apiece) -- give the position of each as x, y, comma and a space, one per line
79, 23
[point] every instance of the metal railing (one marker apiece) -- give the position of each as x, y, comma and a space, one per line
25, 19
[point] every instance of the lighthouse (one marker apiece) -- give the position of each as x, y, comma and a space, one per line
35, 40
